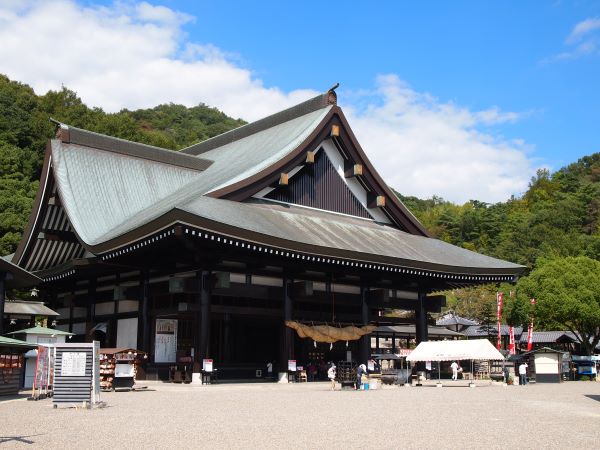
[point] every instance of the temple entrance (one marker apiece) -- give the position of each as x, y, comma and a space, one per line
244, 345
316, 358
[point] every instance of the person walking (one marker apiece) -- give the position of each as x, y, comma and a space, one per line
523, 373
454, 367
331, 376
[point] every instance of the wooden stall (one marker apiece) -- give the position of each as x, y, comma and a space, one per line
11, 364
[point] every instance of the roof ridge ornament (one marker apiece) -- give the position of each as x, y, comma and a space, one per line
331, 95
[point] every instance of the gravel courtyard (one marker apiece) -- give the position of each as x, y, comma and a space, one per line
311, 416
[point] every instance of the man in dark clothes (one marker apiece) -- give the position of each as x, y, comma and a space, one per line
362, 370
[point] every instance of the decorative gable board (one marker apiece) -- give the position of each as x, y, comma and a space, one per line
320, 186
55, 242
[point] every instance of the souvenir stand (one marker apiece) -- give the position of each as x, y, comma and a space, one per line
119, 367
38, 336
11, 364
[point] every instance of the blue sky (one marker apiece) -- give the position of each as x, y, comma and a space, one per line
457, 99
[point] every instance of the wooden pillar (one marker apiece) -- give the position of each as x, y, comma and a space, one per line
421, 319
112, 327
287, 337
227, 338
393, 342
203, 300
365, 341
71, 306
144, 313
2, 298
91, 310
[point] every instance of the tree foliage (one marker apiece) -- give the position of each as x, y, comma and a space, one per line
567, 295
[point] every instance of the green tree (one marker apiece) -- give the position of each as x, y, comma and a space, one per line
516, 311
567, 295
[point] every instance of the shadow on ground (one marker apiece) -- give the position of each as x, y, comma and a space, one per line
19, 396
594, 397
20, 439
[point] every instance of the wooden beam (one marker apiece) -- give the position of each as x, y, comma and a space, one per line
352, 170
310, 157
375, 201
283, 179
335, 130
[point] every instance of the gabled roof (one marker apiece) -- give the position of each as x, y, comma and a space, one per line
29, 308
492, 330
15, 276
454, 319
114, 192
549, 337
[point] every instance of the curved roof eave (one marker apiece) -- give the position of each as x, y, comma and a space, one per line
261, 232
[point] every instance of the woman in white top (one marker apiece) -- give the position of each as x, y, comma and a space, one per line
331, 376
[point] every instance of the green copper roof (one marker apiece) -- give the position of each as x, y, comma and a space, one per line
10, 342
43, 330
106, 194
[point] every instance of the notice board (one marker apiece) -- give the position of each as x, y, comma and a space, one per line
76, 374
165, 342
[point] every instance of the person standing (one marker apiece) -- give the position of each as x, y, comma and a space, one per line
506, 374
523, 373
331, 376
362, 370
454, 367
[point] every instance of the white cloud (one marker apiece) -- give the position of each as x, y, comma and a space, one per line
136, 55
424, 147
583, 40
127, 56
583, 28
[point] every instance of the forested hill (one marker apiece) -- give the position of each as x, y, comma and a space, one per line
557, 216
25, 128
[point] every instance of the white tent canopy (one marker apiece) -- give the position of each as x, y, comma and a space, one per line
454, 350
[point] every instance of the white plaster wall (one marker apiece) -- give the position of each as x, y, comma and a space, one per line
127, 330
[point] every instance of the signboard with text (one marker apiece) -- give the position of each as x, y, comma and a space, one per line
165, 343
73, 364
207, 365
292, 365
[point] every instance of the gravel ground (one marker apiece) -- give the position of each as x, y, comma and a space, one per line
312, 416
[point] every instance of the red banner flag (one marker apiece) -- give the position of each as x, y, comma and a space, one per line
499, 343
530, 329
499, 304
499, 315
511, 346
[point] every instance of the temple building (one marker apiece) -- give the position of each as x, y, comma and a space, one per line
206, 252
